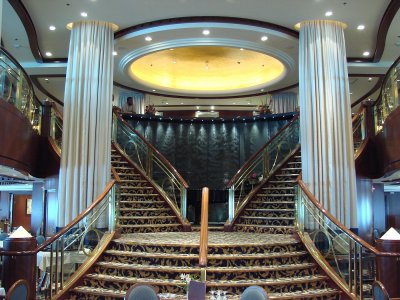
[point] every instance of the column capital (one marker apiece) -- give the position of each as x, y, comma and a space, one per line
113, 26
333, 22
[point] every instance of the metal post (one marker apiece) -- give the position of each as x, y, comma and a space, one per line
183, 202
231, 203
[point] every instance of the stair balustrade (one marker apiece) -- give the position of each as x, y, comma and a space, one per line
75, 244
359, 129
56, 127
151, 161
263, 163
353, 259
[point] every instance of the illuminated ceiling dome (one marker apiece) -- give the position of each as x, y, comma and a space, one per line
207, 69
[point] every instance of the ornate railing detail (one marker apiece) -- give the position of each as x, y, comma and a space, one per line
56, 127
151, 161
359, 129
264, 162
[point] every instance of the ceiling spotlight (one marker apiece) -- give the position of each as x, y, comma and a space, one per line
360, 27
241, 49
52, 27
166, 102
197, 107
84, 14
46, 79
328, 14
234, 103
206, 32
262, 90
212, 107
174, 61
154, 90
181, 102
49, 54
365, 53
370, 79
115, 53
148, 38
264, 38
172, 49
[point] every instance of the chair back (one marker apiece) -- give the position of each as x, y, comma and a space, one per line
197, 290
18, 291
40, 239
3, 236
379, 292
141, 292
254, 292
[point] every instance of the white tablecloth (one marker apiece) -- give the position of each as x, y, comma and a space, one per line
70, 257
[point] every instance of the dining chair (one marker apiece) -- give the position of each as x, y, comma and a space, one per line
196, 290
141, 292
379, 292
18, 291
254, 292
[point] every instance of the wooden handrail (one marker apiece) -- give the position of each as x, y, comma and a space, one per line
204, 229
335, 221
248, 162
157, 153
115, 174
358, 114
54, 146
66, 228
57, 112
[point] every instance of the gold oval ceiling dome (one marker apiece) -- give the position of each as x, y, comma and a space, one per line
207, 69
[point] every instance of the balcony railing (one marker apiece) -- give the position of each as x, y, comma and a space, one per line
263, 163
359, 129
389, 100
16, 88
151, 161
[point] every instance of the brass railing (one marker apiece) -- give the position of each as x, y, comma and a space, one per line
263, 163
151, 161
359, 129
56, 126
353, 259
389, 98
74, 244
16, 88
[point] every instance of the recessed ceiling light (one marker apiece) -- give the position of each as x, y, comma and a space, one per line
365, 53
115, 53
328, 14
197, 107
172, 49
166, 102
248, 102
174, 61
351, 93
148, 38
370, 79
264, 38
46, 79
241, 49
360, 27
181, 102
234, 103
84, 14
206, 32
262, 90
212, 107
52, 27
49, 54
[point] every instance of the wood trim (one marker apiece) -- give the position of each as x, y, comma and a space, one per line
160, 156
84, 268
203, 251
248, 162
324, 265
54, 147
115, 174
186, 226
66, 228
41, 88
359, 240
376, 87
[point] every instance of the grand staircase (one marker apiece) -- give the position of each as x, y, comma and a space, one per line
153, 248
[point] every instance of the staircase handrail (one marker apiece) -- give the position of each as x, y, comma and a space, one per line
65, 229
204, 229
359, 127
344, 246
247, 164
154, 149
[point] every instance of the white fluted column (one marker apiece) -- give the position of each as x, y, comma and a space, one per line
326, 129
85, 155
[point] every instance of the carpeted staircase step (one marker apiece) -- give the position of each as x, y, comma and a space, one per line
271, 229
275, 195
87, 292
315, 294
282, 182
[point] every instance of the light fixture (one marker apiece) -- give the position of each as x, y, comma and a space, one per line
360, 27
212, 107
166, 102
234, 103
148, 38
262, 90
241, 49
174, 61
46, 79
181, 102
365, 53
49, 54
154, 90
206, 32
264, 38
328, 13
172, 49
197, 107
115, 53
52, 27
370, 79
84, 14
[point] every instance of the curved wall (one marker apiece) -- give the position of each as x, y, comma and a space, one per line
18, 142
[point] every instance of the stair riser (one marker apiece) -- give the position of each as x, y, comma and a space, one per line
144, 213
82, 296
212, 250
152, 229
271, 205
277, 230
266, 222
137, 205
268, 214
174, 273
139, 198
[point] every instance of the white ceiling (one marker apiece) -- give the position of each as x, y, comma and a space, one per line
127, 13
